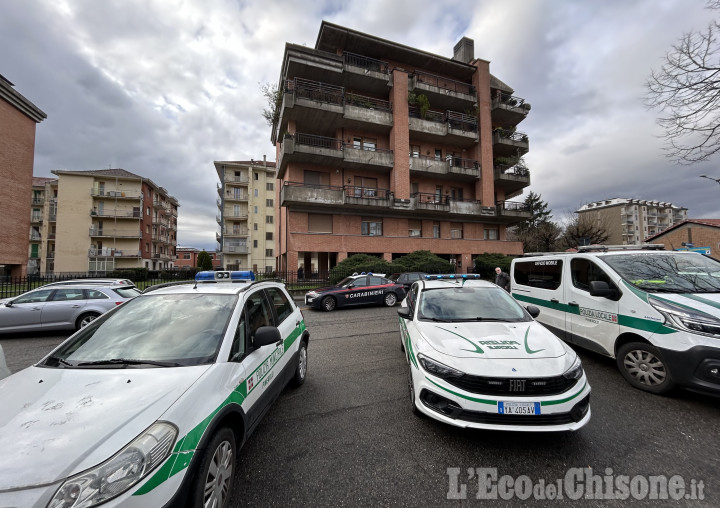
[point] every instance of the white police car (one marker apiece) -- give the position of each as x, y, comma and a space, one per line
476, 358
148, 405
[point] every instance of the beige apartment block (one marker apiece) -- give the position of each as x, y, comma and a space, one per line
102, 220
246, 214
43, 221
632, 221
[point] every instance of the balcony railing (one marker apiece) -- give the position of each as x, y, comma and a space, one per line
454, 120
513, 208
361, 101
369, 64
236, 231
318, 141
353, 191
38, 201
236, 249
35, 237
130, 214
512, 135
510, 101
315, 91
36, 217
444, 83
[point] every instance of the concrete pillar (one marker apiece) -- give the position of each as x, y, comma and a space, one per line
400, 136
484, 187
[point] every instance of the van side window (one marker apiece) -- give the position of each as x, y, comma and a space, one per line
585, 271
543, 273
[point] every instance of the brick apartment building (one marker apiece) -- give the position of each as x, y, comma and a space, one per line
18, 119
632, 221
101, 220
700, 233
187, 257
246, 214
386, 149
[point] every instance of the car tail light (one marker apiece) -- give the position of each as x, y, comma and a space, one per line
119, 303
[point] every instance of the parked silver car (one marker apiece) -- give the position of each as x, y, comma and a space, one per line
68, 307
94, 282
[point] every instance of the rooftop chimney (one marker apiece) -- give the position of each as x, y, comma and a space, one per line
464, 50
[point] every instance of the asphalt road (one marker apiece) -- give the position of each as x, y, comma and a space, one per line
348, 437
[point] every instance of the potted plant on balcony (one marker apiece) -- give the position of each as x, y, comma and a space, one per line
421, 102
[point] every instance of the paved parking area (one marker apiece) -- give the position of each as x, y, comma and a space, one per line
347, 436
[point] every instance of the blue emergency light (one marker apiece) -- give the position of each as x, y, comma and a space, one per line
453, 276
225, 276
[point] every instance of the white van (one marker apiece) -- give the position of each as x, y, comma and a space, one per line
656, 312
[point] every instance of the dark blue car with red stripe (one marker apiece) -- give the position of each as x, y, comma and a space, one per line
363, 289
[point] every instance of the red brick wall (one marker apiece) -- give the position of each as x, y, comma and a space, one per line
17, 153
698, 235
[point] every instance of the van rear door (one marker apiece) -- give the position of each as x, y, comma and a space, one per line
539, 281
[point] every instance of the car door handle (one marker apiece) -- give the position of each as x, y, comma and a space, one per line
554, 300
574, 304
76, 306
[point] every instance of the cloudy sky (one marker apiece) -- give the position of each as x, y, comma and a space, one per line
162, 88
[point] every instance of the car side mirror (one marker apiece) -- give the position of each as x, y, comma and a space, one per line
533, 311
404, 312
601, 288
350, 286
266, 335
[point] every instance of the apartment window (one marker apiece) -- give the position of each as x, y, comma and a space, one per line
268, 253
255, 192
315, 178
456, 193
365, 143
255, 209
438, 154
256, 176
147, 211
147, 247
320, 223
490, 234
255, 226
436, 230
415, 151
371, 227
269, 186
186, 255
269, 219
456, 230
438, 193
269, 203
255, 244
268, 236
414, 228
365, 187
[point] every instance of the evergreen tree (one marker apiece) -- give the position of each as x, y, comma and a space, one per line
204, 261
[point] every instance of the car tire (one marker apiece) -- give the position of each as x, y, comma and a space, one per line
390, 299
328, 303
301, 369
411, 392
642, 366
402, 344
86, 319
214, 482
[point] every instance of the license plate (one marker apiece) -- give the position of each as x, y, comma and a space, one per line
519, 408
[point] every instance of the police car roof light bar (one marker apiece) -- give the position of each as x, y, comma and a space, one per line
452, 276
225, 276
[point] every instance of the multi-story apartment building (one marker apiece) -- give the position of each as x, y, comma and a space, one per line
102, 220
18, 120
187, 257
43, 222
632, 221
246, 214
386, 149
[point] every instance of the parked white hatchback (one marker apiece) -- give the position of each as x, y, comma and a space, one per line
148, 404
476, 358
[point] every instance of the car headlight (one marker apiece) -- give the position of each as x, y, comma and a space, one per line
685, 319
437, 369
120, 472
312, 294
575, 371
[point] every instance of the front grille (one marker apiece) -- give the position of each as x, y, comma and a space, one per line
529, 387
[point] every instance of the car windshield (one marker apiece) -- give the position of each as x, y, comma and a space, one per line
151, 330
345, 282
669, 272
469, 304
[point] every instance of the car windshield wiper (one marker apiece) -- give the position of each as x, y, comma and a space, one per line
437, 319
59, 360
124, 362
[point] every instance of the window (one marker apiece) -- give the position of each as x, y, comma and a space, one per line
269, 186
62, 295
255, 209
414, 228
255, 244
438, 193
255, 226
371, 227
34, 296
186, 255
320, 223
456, 194
365, 187
490, 234
584, 271
256, 176
147, 211
436, 230
415, 151
456, 230
94, 294
364, 143
316, 178
255, 192
438, 154
269, 203
268, 236
543, 274
269, 219
268, 253
283, 307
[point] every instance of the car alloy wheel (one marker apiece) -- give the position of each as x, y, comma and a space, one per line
390, 299
411, 390
328, 303
218, 474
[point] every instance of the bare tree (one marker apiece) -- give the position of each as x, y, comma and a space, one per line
583, 229
686, 91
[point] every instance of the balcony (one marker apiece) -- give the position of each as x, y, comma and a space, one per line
116, 214
443, 92
453, 127
218, 219
511, 176
236, 249
295, 193
236, 196
52, 216
113, 233
507, 109
236, 232
115, 194
113, 253
36, 218
365, 73
309, 149
38, 201
507, 143
513, 210
455, 168
367, 158
231, 179
35, 237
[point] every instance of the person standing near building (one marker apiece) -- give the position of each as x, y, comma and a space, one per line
502, 279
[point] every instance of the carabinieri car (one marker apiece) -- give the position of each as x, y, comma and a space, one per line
363, 289
476, 358
148, 404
